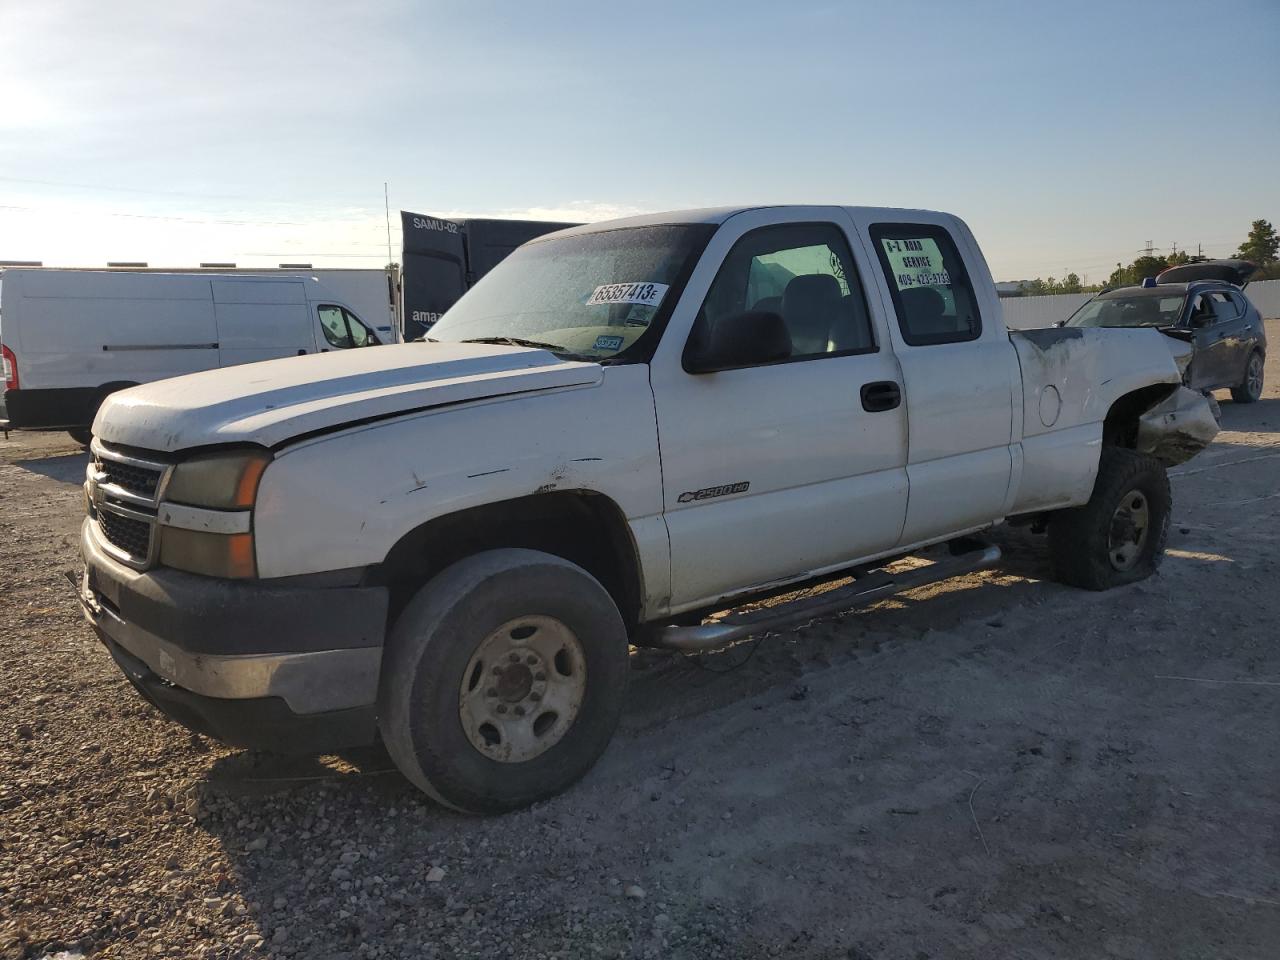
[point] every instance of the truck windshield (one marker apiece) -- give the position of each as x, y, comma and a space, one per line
598, 296
1130, 311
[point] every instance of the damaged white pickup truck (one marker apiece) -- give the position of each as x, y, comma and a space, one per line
623, 429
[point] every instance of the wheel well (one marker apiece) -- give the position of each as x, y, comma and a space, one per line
580, 526
1120, 429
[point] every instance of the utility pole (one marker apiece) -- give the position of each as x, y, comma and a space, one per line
1149, 248
386, 201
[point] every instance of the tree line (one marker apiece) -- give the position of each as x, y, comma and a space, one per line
1261, 246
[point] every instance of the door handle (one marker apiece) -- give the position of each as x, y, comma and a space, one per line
880, 395
302, 353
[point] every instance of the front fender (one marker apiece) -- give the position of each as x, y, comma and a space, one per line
1086, 370
343, 500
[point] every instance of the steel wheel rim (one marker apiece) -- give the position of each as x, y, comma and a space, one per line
522, 689
1130, 526
1255, 376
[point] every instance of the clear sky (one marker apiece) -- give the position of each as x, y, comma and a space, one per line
1066, 133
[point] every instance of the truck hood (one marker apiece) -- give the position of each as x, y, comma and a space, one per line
277, 400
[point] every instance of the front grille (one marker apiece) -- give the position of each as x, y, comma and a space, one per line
124, 494
136, 479
126, 534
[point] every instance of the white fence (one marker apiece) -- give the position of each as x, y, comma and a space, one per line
1029, 313
1265, 295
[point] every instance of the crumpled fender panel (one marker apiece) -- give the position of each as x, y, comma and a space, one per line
1178, 427
1071, 378
1085, 370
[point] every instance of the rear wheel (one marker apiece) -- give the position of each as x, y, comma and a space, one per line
1117, 537
503, 680
1250, 388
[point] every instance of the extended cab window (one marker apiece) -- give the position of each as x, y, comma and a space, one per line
930, 286
804, 273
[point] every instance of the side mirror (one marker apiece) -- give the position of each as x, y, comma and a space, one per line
1200, 320
743, 340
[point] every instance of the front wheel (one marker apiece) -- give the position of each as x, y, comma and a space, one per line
1250, 388
1117, 537
503, 680
81, 435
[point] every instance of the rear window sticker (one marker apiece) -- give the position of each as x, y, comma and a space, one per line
916, 263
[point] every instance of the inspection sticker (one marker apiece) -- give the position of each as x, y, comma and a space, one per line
609, 343
648, 294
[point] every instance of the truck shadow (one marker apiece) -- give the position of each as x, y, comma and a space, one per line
68, 468
667, 686
662, 682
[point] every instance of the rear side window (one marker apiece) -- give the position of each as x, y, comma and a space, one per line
1225, 306
931, 290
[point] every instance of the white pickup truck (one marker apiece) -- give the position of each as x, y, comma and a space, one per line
622, 432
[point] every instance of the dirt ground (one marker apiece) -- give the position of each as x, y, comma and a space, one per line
995, 767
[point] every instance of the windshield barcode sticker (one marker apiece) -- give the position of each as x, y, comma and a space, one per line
648, 294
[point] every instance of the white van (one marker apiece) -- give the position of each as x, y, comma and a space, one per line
71, 337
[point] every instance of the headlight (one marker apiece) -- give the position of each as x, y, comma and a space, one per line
223, 481
206, 519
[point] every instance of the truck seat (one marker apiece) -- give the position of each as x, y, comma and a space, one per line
811, 307
926, 312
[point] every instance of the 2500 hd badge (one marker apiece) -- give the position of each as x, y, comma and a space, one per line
709, 493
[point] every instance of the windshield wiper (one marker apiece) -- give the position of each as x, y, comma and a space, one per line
518, 342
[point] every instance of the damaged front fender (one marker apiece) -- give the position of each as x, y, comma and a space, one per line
1178, 427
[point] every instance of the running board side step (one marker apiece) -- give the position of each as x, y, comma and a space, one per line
860, 593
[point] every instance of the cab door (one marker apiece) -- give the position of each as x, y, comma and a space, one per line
959, 371
779, 470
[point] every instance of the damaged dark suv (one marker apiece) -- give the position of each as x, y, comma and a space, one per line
1204, 304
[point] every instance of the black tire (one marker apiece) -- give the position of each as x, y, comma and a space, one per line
81, 435
1080, 539
1249, 389
430, 649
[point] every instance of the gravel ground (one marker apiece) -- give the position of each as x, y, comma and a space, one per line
997, 766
